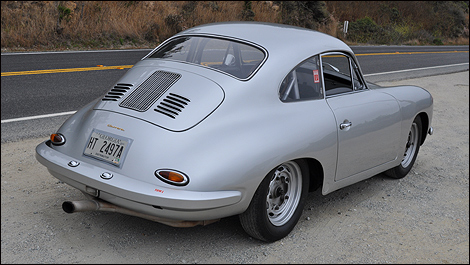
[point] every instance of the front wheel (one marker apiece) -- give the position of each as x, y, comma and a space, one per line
278, 202
411, 151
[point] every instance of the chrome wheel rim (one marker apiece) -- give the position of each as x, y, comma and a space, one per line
285, 190
411, 146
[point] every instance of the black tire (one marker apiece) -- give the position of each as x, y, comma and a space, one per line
411, 151
270, 215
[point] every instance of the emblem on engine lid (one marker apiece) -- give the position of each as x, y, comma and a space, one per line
112, 126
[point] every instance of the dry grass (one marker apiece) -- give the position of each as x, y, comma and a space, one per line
55, 25
111, 24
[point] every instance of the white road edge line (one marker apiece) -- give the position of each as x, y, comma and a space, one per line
33, 53
39, 116
72, 112
416, 69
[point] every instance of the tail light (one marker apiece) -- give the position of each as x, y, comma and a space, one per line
172, 177
57, 139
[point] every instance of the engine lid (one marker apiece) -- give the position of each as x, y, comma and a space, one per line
173, 99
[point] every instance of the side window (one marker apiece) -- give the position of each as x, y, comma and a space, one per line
303, 82
336, 74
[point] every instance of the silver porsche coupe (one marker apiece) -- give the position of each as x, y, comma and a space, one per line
236, 118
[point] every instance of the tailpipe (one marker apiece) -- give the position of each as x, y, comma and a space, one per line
80, 206
100, 205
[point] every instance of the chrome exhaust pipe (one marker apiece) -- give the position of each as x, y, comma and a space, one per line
80, 206
96, 204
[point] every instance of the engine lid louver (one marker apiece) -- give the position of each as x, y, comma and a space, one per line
147, 93
172, 105
117, 92
161, 95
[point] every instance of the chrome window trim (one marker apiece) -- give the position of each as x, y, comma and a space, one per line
361, 76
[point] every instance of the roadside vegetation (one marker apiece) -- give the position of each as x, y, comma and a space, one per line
79, 25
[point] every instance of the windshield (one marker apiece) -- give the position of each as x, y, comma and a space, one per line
232, 57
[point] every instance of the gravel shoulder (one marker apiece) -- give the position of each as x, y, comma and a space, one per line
423, 218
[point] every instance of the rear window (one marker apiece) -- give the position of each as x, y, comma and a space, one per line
232, 57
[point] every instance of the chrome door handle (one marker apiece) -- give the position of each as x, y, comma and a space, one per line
346, 124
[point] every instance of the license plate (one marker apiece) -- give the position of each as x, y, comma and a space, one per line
107, 147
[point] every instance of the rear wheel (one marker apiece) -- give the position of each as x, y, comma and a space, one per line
278, 202
411, 151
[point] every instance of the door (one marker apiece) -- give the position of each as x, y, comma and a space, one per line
368, 121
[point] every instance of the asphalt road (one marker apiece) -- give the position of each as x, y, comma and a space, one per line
422, 218
31, 91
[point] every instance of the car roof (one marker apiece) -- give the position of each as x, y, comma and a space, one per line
275, 38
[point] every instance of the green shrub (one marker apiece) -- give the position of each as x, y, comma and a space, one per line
437, 41
307, 14
247, 13
64, 12
363, 30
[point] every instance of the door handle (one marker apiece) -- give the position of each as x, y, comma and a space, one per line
345, 125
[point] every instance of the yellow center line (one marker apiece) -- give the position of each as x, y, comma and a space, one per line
397, 53
69, 70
